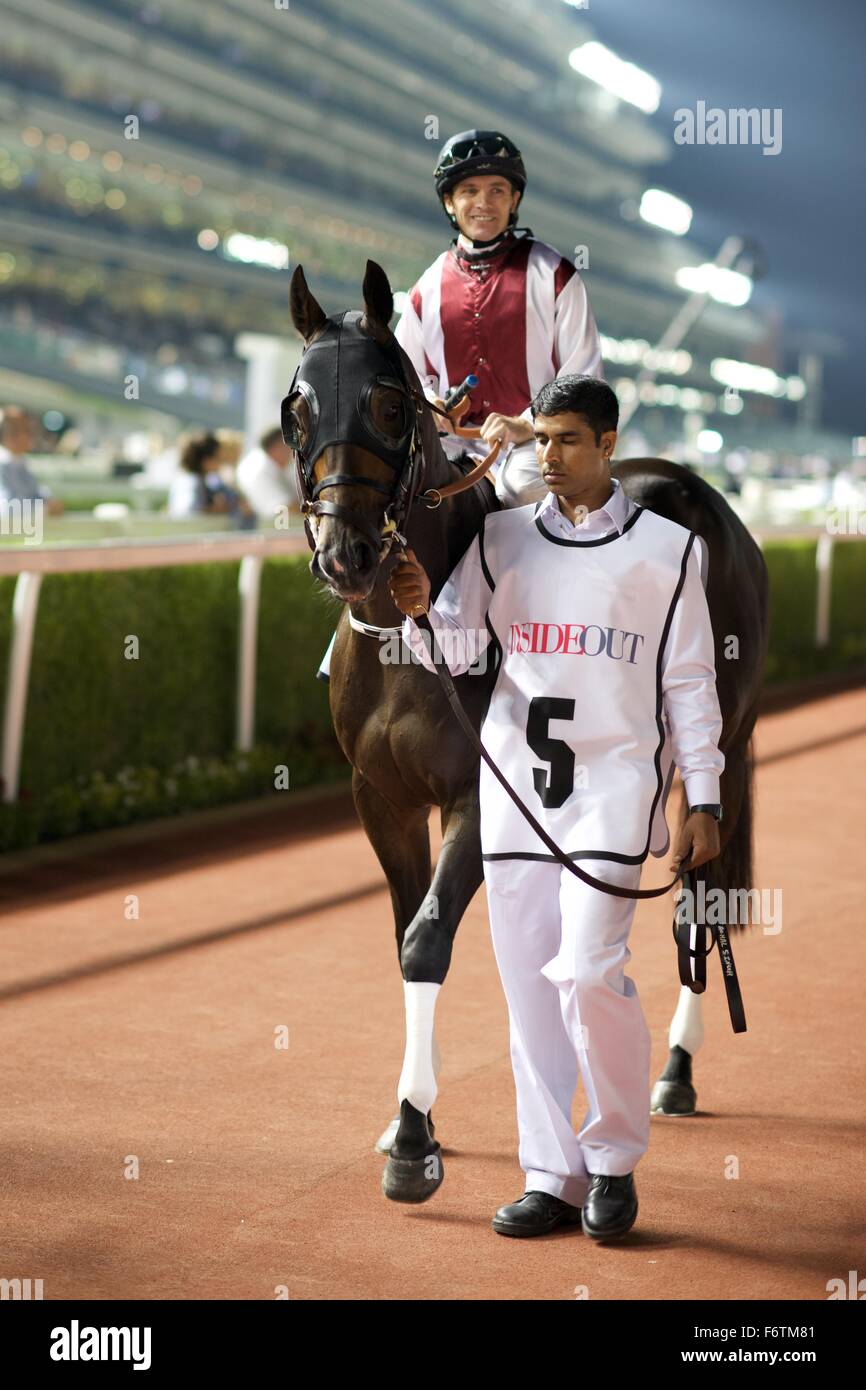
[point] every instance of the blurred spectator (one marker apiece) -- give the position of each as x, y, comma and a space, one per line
17, 482
735, 465
231, 446
262, 475
198, 490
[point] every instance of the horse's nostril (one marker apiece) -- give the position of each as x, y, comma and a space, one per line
336, 566
362, 555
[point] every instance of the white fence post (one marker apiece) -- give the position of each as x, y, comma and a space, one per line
249, 586
824, 567
24, 608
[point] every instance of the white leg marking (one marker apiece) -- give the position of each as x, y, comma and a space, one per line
687, 1024
417, 1082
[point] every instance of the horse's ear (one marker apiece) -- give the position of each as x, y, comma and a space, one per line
378, 299
307, 312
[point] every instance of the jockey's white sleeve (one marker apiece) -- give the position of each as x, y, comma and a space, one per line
410, 335
577, 345
691, 701
457, 616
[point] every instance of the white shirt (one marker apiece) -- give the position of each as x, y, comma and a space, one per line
264, 483
187, 495
691, 705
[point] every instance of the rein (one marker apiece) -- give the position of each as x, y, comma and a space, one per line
349, 421
445, 677
681, 930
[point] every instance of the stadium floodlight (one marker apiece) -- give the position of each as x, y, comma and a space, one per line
710, 441
747, 376
725, 286
255, 250
663, 210
626, 80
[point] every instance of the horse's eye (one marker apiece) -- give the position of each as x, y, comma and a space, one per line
294, 425
393, 413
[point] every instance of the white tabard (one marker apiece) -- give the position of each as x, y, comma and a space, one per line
576, 720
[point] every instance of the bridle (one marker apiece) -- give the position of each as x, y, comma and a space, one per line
339, 371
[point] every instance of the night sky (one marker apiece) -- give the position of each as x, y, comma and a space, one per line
806, 205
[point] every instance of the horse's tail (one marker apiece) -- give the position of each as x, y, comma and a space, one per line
732, 870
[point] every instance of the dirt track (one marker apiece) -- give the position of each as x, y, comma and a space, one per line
154, 1038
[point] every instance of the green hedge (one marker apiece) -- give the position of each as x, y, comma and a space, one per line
91, 709
96, 718
106, 736
848, 605
94, 801
793, 595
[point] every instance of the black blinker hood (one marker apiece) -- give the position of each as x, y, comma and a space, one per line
336, 375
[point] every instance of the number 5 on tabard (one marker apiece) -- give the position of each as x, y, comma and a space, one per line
561, 758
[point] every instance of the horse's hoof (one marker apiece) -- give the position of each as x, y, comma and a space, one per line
386, 1138
673, 1098
413, 1179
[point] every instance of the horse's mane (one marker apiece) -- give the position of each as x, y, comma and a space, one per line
439, 467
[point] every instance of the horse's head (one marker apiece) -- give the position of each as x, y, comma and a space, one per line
353, 417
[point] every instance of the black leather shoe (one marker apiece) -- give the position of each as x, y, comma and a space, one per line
610, 1209
534, 1214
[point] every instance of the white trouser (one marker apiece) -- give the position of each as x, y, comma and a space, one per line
562, 948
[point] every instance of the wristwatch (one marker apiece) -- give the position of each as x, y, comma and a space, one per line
714, 810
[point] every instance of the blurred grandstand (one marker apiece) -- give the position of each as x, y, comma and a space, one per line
264, 137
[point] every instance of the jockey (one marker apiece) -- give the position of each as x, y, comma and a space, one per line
498, 304
502, 305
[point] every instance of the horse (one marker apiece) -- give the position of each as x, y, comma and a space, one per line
390, 715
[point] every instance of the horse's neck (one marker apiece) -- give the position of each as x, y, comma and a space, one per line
438, 468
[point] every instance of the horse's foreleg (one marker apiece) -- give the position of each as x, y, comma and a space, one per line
414, 1169
401, 840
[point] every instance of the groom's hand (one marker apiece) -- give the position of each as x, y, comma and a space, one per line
409, 584
698, 838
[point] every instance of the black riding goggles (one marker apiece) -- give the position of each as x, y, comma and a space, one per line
487, 147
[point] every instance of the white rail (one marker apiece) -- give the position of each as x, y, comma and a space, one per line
31, 562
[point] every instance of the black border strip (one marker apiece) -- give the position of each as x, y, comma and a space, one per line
485, 571
602, 540
494, 640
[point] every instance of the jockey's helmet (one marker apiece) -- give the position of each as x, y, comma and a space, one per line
478, 152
